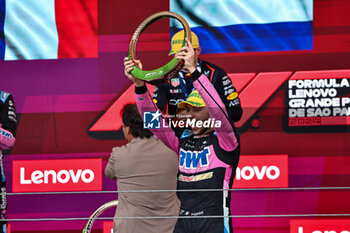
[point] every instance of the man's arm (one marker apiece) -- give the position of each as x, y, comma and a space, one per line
225, 133
145, 103
165, 132
109, 170
8, 121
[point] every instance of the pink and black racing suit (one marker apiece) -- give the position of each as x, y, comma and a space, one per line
205, 162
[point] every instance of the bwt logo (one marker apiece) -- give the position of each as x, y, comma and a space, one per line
262, 171
151, 120
320, 226
57, 175
193, 159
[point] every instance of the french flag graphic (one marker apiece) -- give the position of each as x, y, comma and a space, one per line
48, 29
227, 26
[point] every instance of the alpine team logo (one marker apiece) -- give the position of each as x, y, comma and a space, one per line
151, 120
57, 175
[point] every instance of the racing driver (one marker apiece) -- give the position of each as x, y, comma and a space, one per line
208, 155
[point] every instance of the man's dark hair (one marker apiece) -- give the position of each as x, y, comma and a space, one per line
132, 118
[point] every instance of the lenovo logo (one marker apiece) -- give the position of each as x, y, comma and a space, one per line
320, 226
248, 173
262, 171
62, 176
57, 175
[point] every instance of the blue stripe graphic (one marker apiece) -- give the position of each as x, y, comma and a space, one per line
282, 36
2, 23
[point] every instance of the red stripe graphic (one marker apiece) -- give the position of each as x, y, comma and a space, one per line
77, 28
318, 121
321, 74
340, 120
240, 81
66, 103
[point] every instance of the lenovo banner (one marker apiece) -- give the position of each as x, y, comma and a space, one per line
262, 171
57, 175
320, 226
108, 227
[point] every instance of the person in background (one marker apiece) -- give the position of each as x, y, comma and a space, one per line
144, 163
167, 95
8, 127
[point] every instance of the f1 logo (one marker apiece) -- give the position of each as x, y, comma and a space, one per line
254, 90
151, 120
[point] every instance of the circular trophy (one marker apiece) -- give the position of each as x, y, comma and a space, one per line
170, 69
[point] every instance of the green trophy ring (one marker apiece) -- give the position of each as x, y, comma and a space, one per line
170, 69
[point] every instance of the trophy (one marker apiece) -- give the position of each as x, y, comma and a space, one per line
170, 69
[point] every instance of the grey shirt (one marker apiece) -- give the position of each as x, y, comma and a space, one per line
144, 164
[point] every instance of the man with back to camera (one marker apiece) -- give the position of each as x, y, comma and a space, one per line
145, 163
169, 94
208, 155
8, 126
